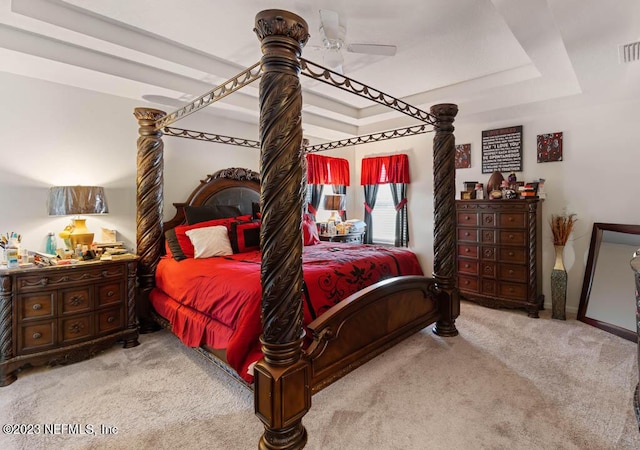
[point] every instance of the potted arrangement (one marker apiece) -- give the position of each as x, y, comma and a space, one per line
561, 228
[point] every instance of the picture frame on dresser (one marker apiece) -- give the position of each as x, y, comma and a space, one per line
499, 253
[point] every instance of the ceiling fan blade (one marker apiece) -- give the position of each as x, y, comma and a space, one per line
373, 49
330, 24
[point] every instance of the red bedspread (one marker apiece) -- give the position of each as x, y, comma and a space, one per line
218, 299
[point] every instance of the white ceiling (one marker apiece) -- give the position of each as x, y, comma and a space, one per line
491, 57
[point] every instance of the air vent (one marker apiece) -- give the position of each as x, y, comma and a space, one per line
629, 52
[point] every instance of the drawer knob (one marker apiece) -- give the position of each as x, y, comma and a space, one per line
510, 253
466, 266
105, 273
37, 306
511, 272
467, 234
511, 236
466, 217
110, 294
466, 281
510, 219
37, 335
467, 249
111, 319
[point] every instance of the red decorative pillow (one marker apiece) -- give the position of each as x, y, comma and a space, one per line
245, 236
180, 244
309, 231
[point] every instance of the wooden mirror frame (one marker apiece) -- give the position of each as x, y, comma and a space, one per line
594, 248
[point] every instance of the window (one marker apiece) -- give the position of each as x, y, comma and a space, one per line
384, 217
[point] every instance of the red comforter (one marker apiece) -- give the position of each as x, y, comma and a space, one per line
216, 301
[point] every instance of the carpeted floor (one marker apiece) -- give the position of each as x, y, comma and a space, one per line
507, 382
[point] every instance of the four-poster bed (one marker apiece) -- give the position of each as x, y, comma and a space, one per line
359, 327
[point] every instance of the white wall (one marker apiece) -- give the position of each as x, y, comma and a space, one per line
54, 134
596, 179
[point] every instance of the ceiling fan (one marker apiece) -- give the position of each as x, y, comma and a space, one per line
333, 33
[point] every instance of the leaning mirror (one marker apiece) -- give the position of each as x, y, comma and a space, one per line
608, 291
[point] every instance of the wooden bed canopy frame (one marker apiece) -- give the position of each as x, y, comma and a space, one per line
356, 329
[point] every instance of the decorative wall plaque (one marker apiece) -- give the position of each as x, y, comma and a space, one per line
502, 150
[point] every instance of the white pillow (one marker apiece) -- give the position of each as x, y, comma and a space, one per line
210, 241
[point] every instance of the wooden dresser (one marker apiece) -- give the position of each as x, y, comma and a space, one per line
499, 260
63, 314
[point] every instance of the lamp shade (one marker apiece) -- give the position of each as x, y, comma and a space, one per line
69, 200
334, 202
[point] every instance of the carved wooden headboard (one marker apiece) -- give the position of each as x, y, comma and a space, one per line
234, 186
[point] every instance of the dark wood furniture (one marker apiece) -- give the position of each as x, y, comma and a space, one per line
363, 325
498, 253
635, 266
347, 238
63, 314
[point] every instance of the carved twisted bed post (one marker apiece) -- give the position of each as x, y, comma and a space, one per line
149, 199
281, 378
444, 239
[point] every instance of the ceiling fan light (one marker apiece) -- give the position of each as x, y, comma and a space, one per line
333, 59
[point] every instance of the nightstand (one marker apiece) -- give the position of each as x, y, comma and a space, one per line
348, 238
64, 314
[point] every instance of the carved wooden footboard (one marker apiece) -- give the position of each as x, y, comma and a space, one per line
367, 323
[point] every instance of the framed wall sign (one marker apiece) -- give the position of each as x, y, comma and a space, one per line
502, 150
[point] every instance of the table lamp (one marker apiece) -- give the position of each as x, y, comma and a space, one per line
334, 203
76, 200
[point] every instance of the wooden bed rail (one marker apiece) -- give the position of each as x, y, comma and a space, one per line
367, 323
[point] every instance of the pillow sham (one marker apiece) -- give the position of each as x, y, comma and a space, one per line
309, 230
197, 214
210, 241
245, 236
255, 211
180, 244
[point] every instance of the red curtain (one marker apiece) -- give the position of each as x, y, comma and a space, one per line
327, 170
385, 169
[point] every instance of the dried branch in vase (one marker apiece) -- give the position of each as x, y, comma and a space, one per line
561, 227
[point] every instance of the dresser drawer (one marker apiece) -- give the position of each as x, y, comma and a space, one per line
468, 266
75, 300
109, 320
467, 235
488, 219
513, 255
488, 269
468, 251
75, 328
513, 220
467, 218
488, 237
488, 253
109, 293
468, 283
513, 272
489, 287
38, 305
36, 336
513, 237
513, 291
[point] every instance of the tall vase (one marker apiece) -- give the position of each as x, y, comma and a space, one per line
558, 286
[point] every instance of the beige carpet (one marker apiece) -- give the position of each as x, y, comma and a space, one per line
507, 382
